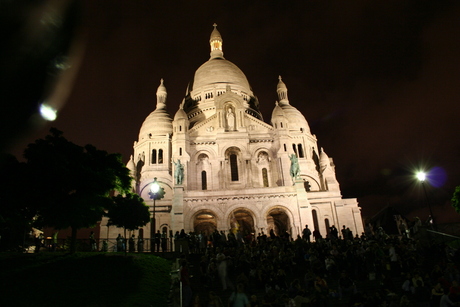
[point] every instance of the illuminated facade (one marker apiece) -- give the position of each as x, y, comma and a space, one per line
237, 169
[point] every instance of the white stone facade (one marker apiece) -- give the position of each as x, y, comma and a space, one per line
237, 168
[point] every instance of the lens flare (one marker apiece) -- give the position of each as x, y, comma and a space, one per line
47, 112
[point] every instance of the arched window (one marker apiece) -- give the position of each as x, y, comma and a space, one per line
315, 219
326, 222
285, 148
306, 185
294, 147
154, 156
180, 151
265, 177
160, 156
234, 167
204, 183
300, 151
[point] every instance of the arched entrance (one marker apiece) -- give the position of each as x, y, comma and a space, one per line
278, 220
205, 222
242, 220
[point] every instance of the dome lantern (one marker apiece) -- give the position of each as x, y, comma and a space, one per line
281, 89
216, 43
161, 95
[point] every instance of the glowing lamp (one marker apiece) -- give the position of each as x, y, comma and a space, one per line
421, 176
155, 187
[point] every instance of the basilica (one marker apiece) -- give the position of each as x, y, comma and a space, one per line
222, 167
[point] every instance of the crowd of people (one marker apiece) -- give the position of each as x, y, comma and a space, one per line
371, 269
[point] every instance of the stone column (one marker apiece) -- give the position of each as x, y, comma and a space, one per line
177, 210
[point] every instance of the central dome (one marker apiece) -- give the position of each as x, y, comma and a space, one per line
218, 72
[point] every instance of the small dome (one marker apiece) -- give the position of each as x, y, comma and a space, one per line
277, 112
323, 160
180, 115
131, 166
161, 90
281, 85
159, 122
296, 119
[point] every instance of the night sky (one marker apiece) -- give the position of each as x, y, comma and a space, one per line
378, 82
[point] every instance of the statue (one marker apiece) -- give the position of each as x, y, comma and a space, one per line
295, 170
178, 172
230, 119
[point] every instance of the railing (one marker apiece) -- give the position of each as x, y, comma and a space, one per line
101, 245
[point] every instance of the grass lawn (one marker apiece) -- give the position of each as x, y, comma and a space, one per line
83, 279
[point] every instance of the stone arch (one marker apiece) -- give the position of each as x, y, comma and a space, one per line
203, 171
144, 189
311, 183
209, 152
236, 167
279, 219
242, 219
204, 221
262, 170
317, 218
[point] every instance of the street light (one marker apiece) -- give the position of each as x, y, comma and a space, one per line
421, 176
154, 188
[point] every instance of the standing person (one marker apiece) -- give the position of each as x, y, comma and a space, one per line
222, 271
92, 241
334, 233
344, 233
164, 241
317, 235
132, 249
306, 233
185, 280
140, 244
239, 298
119, 243
105, 246
157, 240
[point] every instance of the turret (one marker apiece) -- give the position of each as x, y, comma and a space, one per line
281, 89
216, 44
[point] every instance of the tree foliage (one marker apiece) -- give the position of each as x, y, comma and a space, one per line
456, 199
129, 212
72, 183
16, 209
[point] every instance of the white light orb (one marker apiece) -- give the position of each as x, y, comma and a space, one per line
421, 176
48, 112
155, 187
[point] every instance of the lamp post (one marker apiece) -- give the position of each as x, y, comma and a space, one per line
421, 176
154, 188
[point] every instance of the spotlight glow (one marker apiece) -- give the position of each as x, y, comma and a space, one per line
48, 112
155, 187
421, 176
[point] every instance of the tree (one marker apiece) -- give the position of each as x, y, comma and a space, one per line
456, 199
129, 212
72, 183
16, 210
